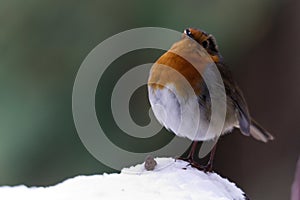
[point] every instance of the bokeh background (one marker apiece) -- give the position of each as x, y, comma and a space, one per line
42, 44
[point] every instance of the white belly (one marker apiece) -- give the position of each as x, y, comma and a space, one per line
182, 116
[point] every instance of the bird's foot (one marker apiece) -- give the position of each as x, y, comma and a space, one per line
208, 167
186, 159
205, 168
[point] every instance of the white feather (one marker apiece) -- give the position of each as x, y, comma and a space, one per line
178, 114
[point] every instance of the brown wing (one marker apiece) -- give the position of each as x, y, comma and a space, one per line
237, 98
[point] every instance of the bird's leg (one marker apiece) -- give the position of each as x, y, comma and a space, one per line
208, 167
191, 158
191, 155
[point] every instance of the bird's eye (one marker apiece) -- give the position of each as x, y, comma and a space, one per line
188, 32
205, 44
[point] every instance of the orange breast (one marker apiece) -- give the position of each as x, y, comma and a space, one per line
185, 57
165, 71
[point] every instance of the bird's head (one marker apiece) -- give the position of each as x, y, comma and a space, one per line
207, 41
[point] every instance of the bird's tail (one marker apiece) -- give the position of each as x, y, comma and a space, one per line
259, 133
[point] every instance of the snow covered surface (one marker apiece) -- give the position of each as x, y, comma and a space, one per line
169, 180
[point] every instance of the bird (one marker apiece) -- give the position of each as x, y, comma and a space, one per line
171, 99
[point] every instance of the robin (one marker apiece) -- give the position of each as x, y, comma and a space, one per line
179, 69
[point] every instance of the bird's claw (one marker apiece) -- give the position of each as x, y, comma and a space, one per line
205, 168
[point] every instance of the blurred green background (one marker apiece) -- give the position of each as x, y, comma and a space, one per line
42, 44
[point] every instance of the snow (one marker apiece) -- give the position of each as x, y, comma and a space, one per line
169, 180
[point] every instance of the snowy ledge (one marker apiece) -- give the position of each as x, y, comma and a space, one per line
169, 180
